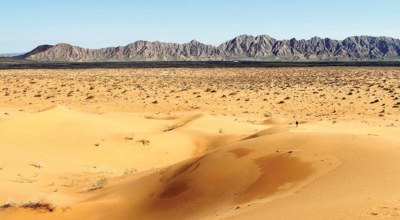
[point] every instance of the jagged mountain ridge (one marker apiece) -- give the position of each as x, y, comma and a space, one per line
243, 47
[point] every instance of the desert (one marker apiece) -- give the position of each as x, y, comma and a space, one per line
200, 143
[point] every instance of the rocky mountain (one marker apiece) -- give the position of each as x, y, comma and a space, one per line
243, 47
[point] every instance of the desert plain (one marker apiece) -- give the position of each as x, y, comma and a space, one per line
192, 143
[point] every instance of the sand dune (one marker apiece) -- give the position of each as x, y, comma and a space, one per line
70, 157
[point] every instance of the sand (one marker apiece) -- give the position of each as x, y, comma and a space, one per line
200, 143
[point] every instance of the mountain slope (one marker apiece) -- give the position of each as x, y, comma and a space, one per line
243, 47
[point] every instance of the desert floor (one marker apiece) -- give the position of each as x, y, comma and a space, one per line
200, 143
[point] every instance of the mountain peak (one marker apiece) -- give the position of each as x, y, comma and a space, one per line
38, 49
194, 41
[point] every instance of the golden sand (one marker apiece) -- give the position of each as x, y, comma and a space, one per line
200, 143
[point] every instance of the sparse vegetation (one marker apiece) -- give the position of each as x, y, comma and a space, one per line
37, 165
144, 141
130, 171
258, 90
99, 184
130, 137
171, 127
9, 204
41, 206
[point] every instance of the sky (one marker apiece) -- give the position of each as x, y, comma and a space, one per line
25, 24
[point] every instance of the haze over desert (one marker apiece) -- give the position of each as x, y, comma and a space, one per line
192, 143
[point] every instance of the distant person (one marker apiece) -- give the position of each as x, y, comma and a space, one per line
297, 124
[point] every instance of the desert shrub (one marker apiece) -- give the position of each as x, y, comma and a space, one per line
99, 184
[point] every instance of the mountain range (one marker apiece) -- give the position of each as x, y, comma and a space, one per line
243, 47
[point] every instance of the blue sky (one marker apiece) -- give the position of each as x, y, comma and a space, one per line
24, 24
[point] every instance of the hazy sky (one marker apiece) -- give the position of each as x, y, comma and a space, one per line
24, 24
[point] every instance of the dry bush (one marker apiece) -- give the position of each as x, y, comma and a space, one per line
9, 204
41, 206
99, 184
144, 141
